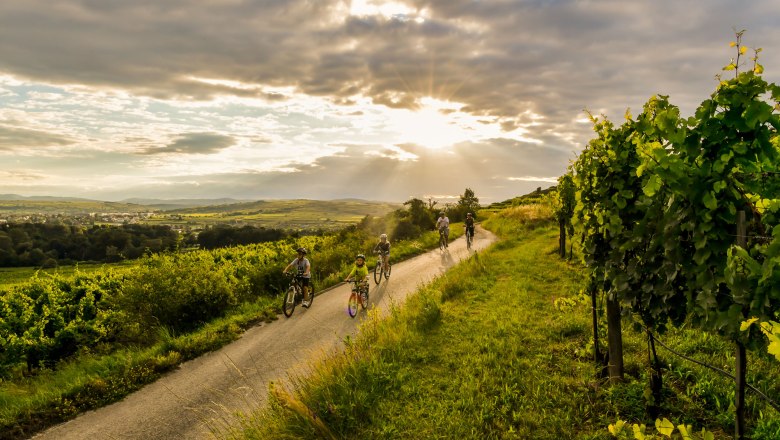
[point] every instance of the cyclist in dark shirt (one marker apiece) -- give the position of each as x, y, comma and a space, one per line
383, 248
469, 224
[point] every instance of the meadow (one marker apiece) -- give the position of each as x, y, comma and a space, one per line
501, 347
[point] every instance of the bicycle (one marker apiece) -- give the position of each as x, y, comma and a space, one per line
359, 295
469, 238
379, 269
294, 295
442, 239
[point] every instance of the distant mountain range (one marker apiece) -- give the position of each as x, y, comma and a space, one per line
167, 205
43, 198
14, 203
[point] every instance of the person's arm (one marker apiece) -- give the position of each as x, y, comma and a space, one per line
288, 266
352, 272
307, 271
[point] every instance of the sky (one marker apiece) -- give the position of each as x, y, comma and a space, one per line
327, 99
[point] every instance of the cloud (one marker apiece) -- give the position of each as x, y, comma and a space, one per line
194, 143
250, 86
368, 172
14, 138
25, 175
499, 58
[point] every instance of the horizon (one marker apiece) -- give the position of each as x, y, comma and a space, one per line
364, 99
129, 200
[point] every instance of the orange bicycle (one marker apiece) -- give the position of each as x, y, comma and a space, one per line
359, 296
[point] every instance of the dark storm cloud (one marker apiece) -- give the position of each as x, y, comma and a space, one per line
499, 58
194, 143
12, 138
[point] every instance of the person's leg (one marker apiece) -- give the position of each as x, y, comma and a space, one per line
306, 289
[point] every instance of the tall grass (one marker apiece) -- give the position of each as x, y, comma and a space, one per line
499, 347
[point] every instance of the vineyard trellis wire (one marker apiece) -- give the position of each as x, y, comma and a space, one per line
657, 201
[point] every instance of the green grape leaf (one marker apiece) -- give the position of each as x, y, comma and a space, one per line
652, 185
746, 324
709, 201
664, 427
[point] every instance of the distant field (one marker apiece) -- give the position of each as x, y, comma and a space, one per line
65, 207
283, 214
15, 275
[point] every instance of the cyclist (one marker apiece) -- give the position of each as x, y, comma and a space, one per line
359, 271
303, 267
469, 222
383, 248
443, 225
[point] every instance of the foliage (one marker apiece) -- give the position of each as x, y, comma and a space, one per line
771, 330
467, 202
564, 201
50, 318
45, 319
224, 236
34, 244
657, 203
663, 427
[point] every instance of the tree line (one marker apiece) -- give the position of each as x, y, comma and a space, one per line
50, 245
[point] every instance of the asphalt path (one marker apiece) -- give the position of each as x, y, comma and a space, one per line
209, 392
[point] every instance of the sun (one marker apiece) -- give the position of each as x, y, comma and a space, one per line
438, 124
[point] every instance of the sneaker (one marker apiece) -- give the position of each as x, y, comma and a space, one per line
305, 303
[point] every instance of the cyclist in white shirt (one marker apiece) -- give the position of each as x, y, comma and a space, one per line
303, 272
443, 225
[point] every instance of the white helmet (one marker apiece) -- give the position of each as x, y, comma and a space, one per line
383, 237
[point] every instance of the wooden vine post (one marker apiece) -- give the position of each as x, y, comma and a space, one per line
741, 354
595, 311
562, 237
615, 338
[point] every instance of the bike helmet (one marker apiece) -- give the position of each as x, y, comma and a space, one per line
361, 256
468, 214
302, 250
383, 237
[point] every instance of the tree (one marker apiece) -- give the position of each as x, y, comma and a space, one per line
418, 214
467, 202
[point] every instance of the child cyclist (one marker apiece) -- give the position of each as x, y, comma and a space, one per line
359, 272
303, 271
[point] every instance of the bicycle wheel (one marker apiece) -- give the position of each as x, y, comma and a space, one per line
289, 301
468, 241
352, 305
378, 272
441, 241
387, 272
364, 297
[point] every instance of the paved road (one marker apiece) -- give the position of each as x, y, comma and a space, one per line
210, 390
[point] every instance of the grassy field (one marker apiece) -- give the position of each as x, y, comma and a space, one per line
501, 348
282, 214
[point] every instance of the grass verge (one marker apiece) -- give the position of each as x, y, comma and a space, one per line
488, 352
